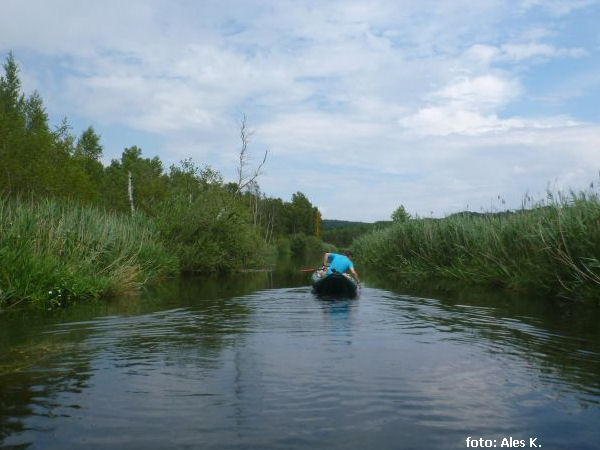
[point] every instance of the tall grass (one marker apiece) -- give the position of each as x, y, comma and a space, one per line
552, 248
54, 252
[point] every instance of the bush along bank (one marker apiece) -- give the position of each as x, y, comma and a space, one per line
211, 232
552, 248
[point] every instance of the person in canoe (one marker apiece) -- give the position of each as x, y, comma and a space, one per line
334, 262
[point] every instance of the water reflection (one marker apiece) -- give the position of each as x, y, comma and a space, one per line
561, 341
258, 361
338, 316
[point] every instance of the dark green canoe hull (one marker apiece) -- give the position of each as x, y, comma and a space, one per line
335, 284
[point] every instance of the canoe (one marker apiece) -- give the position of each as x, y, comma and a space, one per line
334, 284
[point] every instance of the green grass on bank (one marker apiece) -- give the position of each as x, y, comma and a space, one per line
553, 248
53, 252
56, 252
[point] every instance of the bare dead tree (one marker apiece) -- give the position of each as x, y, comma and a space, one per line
130, 193
255, 201
270, 225
243, 178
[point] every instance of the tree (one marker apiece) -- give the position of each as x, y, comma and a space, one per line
10, 86
13, 176
26, 143
243, 178
400, 215
301, 214
275, 218
86, 155
35, 115
149, 182
89, 145
189, 179
318, 222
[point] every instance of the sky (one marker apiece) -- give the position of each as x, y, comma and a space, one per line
439, 106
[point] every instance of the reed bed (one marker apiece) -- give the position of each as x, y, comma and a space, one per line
55, 252
552, 247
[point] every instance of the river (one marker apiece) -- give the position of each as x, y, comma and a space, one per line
257, 361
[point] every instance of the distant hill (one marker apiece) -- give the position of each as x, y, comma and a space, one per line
341, 233
330, 224
484, 214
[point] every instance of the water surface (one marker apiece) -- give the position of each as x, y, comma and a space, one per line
257, 361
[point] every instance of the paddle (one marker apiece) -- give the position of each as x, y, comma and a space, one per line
309, 270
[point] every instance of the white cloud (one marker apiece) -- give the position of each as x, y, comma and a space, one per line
447, 120
481, 54
409, 99
322, 130
488, 54
482, 92
466, 106
558, 7
519, 52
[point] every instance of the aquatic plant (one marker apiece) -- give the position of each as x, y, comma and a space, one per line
55, 252
552, 247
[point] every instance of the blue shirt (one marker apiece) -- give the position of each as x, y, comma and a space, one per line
339, 263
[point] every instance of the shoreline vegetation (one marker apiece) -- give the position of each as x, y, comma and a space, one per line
55, 252
550, 248
72, 228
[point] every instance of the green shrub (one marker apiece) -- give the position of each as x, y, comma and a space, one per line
305, 248
329, 248
211, 233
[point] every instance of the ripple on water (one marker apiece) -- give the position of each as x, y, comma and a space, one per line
281, 368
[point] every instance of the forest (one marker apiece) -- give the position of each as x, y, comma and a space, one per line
70, 224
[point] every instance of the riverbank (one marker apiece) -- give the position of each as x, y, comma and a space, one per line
56, 252
552, 248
